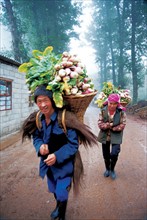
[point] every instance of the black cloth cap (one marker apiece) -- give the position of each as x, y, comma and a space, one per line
41, 90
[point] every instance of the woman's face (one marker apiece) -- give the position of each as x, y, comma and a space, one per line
112, 106
45, 105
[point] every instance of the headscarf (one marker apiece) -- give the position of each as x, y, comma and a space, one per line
114, 97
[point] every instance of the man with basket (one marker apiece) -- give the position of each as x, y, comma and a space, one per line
57, 132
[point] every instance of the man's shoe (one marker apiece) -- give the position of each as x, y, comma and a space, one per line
59, 212
55, 212
113, 175
107, 173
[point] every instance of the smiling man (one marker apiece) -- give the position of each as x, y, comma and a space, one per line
56, 150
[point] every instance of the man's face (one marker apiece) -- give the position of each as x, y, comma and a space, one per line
44, 104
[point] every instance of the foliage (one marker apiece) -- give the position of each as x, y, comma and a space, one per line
118, 36
40, 69
109, 88
64, 74
9, 17
41, 23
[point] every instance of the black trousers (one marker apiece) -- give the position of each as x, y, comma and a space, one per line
110, 154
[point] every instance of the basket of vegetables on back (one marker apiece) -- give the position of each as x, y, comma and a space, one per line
109, 88
65, 75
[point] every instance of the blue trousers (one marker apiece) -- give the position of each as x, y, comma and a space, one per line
60, 187
110, 154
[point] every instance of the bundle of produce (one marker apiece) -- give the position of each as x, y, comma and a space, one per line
64, 74
109, 88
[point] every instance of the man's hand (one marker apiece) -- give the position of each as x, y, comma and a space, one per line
44, 149
50, 160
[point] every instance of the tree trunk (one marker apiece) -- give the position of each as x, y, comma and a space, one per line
110, 43
101, 74
16, 37
121, 82
105, 63
133, 55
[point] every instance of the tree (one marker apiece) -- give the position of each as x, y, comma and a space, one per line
118, 36
138, 46
121, 39
41, 23
17, 44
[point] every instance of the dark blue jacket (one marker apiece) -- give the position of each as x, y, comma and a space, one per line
64, 146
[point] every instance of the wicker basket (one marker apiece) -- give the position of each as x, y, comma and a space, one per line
79, 103
124, 104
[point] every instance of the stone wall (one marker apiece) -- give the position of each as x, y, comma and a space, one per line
11, 120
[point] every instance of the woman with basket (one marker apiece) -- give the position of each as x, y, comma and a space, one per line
112, 121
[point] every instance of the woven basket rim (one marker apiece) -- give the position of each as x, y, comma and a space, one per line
124, 102
81, 95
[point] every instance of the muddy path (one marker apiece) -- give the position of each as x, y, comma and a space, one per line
24, 195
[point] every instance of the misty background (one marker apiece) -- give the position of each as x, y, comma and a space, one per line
110, 36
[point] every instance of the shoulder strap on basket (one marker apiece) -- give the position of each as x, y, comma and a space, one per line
102, 111
121, 114
39, 124
38, 120
63, 121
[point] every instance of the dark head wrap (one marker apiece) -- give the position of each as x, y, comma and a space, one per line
41, 90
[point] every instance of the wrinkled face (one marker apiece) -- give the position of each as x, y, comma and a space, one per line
44, 104
112, 106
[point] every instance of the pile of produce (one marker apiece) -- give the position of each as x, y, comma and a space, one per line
64, 74
109, 88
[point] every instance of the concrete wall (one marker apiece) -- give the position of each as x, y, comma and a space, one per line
11, 120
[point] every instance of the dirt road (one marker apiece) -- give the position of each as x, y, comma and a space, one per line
24, 196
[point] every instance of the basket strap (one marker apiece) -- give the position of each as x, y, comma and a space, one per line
64, 124
38, 121
39, 124
63, 121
